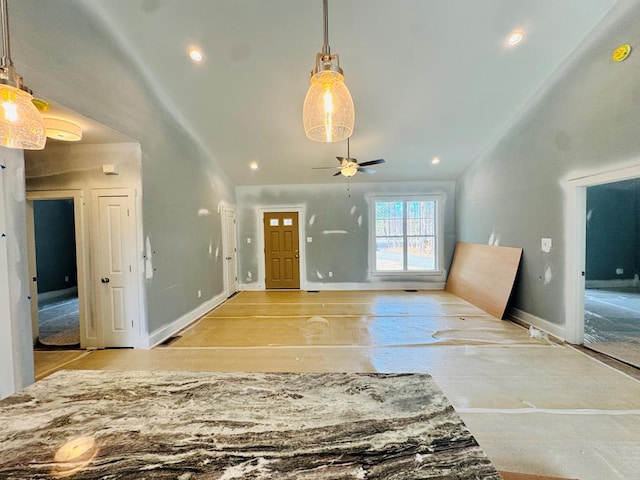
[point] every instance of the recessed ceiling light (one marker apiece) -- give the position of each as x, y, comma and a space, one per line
435, 160
253, 165
515, 37
196, 54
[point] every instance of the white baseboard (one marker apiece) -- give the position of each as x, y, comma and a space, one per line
524, 318
615, 283
356, 286
160, 335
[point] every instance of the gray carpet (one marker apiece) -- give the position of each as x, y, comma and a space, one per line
59, 321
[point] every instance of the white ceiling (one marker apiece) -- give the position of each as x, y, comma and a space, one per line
428, 77
92, 132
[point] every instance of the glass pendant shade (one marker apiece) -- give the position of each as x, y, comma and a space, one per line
21, 125
328, 113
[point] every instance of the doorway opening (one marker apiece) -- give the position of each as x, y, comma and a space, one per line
57, 269
603, 264
56, 274
612, 284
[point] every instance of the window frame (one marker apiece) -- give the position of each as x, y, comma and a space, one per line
439, 229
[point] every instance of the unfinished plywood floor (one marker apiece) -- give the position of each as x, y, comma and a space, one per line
535, 407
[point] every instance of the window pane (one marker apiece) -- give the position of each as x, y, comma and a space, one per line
388, 218
389, 254
421, 253
410, 223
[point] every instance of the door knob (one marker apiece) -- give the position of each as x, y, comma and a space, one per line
105, 280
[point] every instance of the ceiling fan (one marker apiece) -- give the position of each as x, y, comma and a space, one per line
349, 166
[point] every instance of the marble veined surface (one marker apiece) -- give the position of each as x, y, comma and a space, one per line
178, 425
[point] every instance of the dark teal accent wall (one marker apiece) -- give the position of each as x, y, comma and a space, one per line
55, 244
612, 230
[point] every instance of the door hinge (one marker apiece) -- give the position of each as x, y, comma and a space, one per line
131, 323
130, 269
128, 212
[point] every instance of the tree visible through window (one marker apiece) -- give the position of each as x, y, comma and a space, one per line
405, 235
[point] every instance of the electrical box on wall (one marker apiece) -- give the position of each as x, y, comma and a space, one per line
110, 169
545, 245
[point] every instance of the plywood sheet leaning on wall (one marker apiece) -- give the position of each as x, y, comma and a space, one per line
484, 275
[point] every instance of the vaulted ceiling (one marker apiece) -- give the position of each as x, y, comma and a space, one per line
428, 77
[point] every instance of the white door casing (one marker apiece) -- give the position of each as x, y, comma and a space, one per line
115, 275
229, 247
87, 325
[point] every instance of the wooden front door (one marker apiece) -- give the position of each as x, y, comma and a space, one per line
281, 250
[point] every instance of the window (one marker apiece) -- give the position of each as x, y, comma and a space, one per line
406, 234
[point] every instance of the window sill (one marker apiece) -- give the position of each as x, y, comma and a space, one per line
410, 273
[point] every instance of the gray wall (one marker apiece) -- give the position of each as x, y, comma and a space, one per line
613, 230
55, 244
65, 54
584, 121
16, 353
337, 220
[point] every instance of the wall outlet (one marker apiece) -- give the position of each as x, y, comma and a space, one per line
309, 239
66, 278
331, 274
248, 239
545, 245
199, 293
619, 271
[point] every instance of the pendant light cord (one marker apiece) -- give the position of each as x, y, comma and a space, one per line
326, 50
6, 48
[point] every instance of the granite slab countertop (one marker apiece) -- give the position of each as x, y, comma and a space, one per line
184, 425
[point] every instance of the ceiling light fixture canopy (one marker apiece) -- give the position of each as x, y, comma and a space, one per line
21, 125
62, 129
328, 114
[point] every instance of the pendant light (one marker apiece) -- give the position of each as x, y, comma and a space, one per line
328, 114
21, 125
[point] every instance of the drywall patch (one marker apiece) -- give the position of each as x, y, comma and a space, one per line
360, 220
203, 212
334, 232
148, 259
548, 275
319, 275
249, 276
353, 210
563, 141
494, 239
312, 220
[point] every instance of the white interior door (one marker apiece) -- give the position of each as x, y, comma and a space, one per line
33, 284
230, 252
116, 280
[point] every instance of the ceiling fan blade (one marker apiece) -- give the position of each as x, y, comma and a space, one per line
324, 168
372, 162
337, 173
366, 170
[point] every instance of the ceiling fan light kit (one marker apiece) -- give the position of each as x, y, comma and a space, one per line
348, 166
328, 113
21, 125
